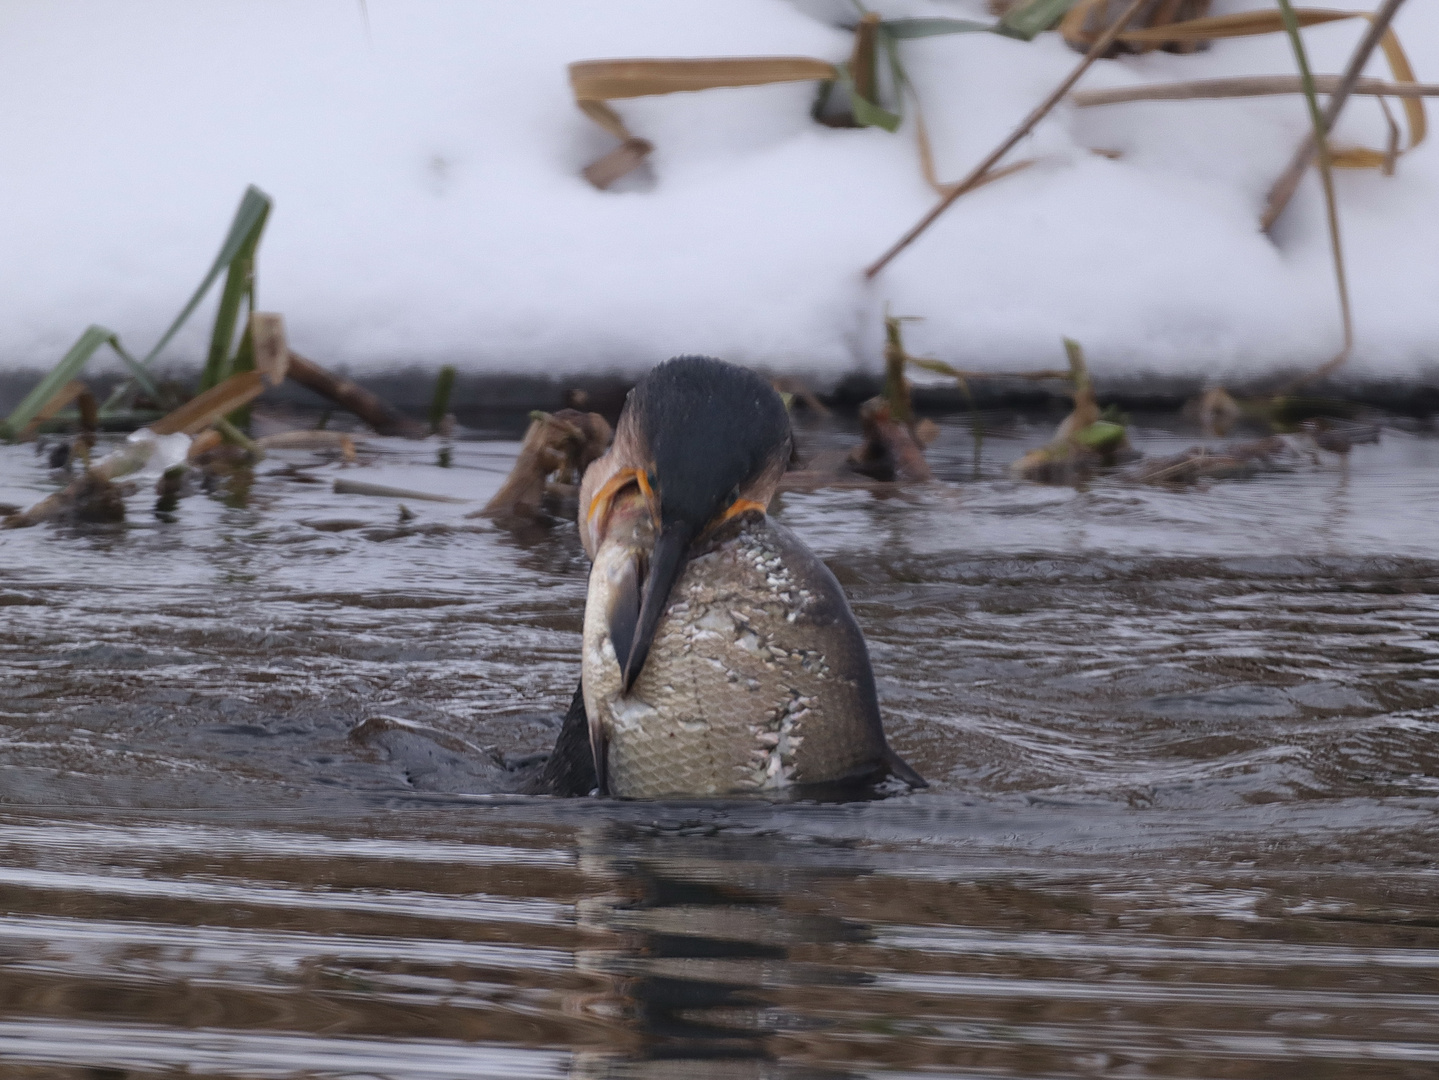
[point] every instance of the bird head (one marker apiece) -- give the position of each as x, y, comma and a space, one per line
699, 443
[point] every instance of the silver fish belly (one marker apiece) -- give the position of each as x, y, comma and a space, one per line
757, 677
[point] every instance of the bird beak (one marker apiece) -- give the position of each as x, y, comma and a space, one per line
667, 560
640, 593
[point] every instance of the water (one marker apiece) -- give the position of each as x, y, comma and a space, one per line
1184, 821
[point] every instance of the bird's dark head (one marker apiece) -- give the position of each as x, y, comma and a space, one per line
701, 441
717, 436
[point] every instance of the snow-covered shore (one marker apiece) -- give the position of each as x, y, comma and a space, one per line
424, 159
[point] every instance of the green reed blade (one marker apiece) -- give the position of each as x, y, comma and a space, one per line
866, 113
238, 247
1029, 20
907, 29
440, 405
239, 288
68, 367
245, 229
139, 374
243, 360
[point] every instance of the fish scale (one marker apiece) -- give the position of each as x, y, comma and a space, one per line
757, 676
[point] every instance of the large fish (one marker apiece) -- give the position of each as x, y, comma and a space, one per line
720, 654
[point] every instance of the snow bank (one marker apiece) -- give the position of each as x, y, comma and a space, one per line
424, 159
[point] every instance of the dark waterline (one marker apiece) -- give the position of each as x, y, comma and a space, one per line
1184, 747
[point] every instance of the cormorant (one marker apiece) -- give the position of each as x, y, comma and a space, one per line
720, 654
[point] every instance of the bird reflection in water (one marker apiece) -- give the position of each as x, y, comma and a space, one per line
706, 953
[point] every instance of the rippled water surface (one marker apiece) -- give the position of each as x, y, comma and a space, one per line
257, 764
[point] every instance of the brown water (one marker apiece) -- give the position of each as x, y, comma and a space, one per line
1184, 820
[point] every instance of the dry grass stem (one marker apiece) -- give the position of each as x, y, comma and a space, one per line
621, 161
200, 412
1039, 113
1283, 190
367, 406
1084, 441
383, 491
1218, 411
309, 440
1391, 145
1079, 26
272, 355
595, 83
1247, 86
796, 389
1087, 18
1326, 175
863, 65
939, 367
62, 397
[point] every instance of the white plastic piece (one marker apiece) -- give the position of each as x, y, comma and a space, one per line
166, 451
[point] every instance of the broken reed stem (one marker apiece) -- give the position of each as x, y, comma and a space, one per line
1098, 49
1033, 376
384, 491
1288, 182
367, 406
127, 458
1247, 86
1326, 174
862, 67
941, 368
1078, 369
66, 395
896, 386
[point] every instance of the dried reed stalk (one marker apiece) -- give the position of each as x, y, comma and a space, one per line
1326, 174
61, 398
1074, 27
1288, 182
595, 83
939, 367
272, 354
1246, 86
863, 63
309, 440
212, 406
969, 182
384, 491
343, 392
1193, 31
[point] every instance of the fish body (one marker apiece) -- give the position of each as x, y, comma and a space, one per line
757, 677
719, 653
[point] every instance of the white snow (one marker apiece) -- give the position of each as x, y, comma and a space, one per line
424, 159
